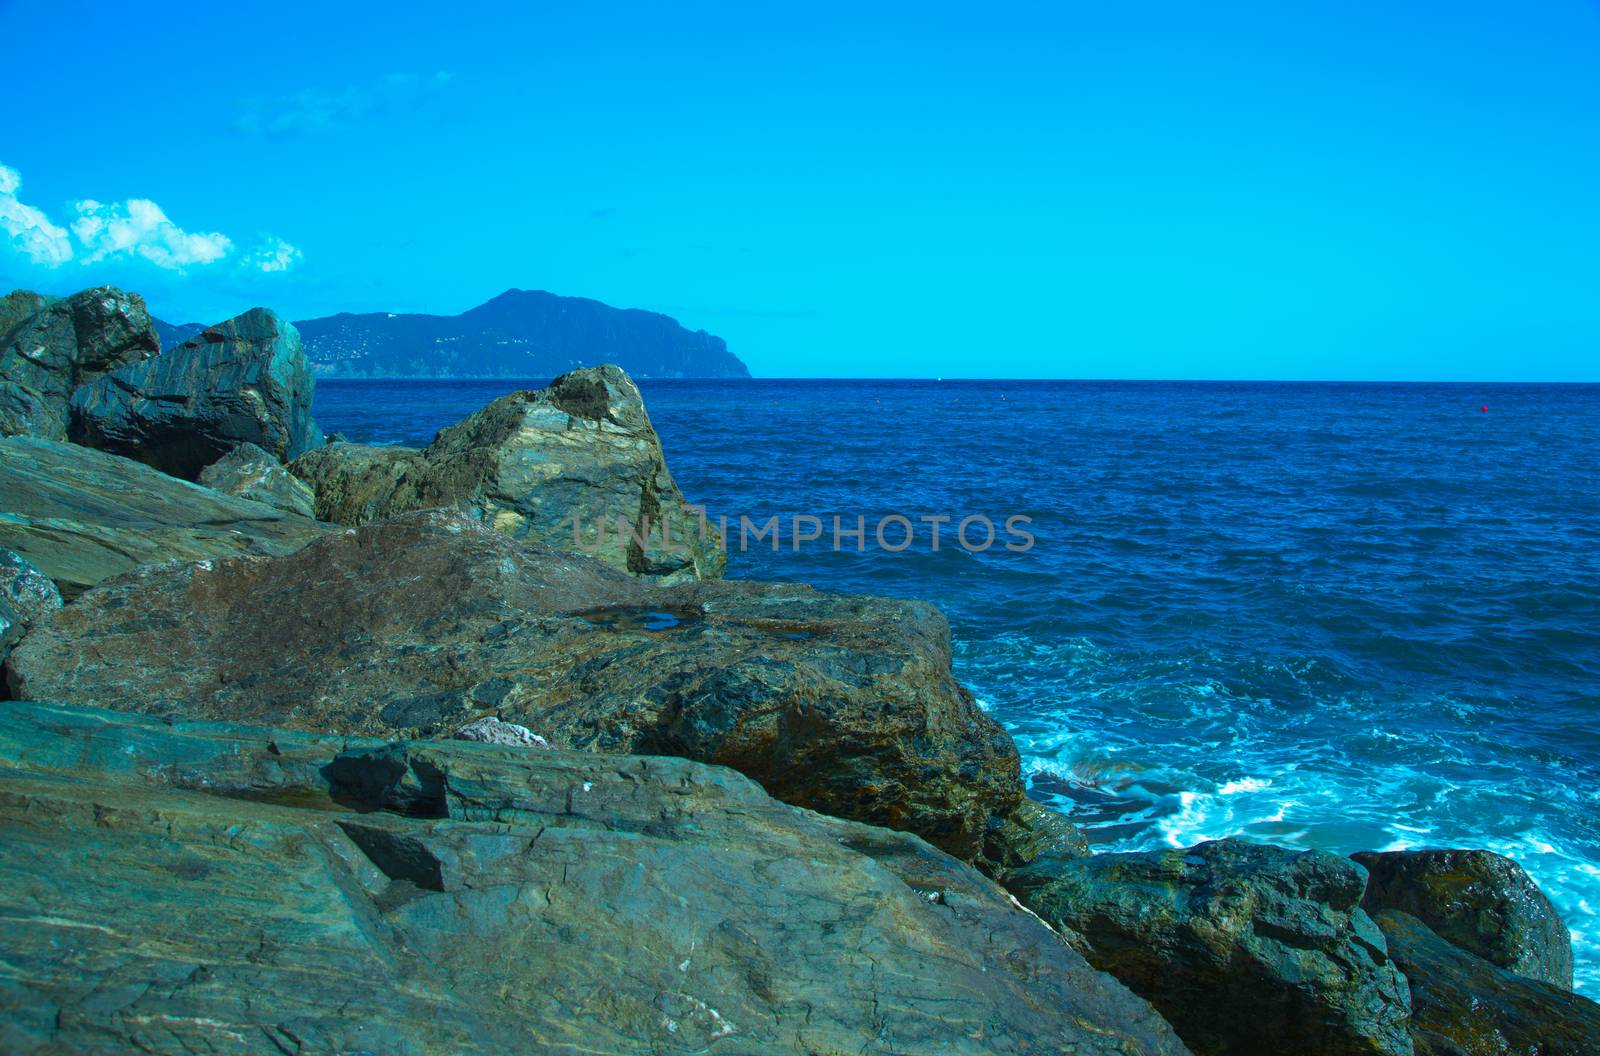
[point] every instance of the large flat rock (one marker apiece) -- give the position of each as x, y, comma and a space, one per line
80, 515
416, 626
215, 888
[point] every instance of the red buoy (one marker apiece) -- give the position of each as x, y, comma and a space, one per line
1484, 409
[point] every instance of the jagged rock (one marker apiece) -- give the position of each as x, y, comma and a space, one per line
242, 381
529, 464
1481, 901
1464, 1006
26, 597
49, 347
491, 730
415, 626
1245, 949
80, 515
251, 473
214, 888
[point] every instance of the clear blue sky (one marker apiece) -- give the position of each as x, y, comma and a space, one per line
1345, 189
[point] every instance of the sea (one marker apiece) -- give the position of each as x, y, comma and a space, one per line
1335, 616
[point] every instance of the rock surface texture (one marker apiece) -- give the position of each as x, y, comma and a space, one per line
248, 472
1464, 1006
80, 516
213, 888
416, 626
26, 597
49, 347
1245, 949
242, 381
530, 464
1481, 901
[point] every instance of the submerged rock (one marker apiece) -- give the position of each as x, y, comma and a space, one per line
1464, 1006
1245, 949
26, 597
530, 464
242, 381
80, 516
49, 347
251, 473
199, 887
416, 626
1481, 901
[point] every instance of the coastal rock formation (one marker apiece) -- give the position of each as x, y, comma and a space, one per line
26, 597
1480, 901
1245, 949
1464, 1006
242, 381
531, 464
415, 626
81, 515
49, 347
251, 473
215, 888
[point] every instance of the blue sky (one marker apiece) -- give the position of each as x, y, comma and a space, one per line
1396, 190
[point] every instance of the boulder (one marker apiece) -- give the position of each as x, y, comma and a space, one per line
49, 347
251, 473
577, 458
80, 515
416, 626
491, 730
1245, 949
1481, 901
26, 597
200, 887
242, 381
1464, 1006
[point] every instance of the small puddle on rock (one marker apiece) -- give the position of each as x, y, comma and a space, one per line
638, 618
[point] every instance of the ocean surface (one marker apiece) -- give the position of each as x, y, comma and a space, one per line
1343, 616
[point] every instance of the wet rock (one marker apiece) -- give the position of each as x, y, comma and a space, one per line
80, 515
491, 730
531, 464
26, 597
242, 381
1464, 1006
416, 626
251, 473
1481, 901
1245, 949
49, 347
199, 887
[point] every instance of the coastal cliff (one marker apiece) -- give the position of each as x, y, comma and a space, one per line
242, 812
519, 334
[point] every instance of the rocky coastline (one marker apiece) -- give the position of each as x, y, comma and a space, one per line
312, 747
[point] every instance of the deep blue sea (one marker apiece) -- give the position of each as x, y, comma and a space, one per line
1343, 616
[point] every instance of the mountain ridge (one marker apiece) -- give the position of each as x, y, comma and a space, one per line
516, 334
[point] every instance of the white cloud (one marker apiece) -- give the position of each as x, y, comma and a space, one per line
275, 254
139, 227
27, 228
134, 229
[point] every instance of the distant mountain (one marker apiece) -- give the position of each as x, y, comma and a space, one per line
175, 333
519, 334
